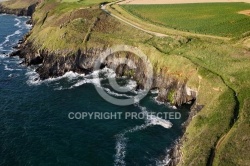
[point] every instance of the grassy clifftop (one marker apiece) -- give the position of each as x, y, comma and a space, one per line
65, 27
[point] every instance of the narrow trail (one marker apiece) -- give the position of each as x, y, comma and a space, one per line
131, 24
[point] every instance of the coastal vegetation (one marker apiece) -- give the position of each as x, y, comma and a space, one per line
217, 67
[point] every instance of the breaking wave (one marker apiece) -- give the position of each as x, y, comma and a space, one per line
121, 139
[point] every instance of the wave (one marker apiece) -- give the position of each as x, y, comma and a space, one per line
18, 24
158, 102
162, 103
34, 79
154, 120
165, 161
13, 75
121, 140
121, 144
116, 94
109, 73
156, 91
120, 147
21, 26
7, 68
7, 38
2, 56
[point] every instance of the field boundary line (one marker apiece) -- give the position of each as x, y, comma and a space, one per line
138, 26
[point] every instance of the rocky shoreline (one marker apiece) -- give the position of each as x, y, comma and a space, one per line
175, 153
53, 64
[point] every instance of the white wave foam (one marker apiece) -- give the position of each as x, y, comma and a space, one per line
7, 68
174, 107
154, 120
59, 88
158, 102
94, 81
109, 73
2, 56
33, 77
121, 142
13, 75
7, 38
116, 94
156, 91
120, 150
18, 24
131, 85
164, 162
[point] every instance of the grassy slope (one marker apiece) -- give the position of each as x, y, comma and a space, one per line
65, 27
216, 60
220, 19
230, 62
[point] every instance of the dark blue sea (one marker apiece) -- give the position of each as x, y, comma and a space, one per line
35, 128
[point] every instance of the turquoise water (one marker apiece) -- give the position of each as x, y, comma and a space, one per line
35, 128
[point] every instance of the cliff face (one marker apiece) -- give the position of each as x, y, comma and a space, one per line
52, 65
19, 12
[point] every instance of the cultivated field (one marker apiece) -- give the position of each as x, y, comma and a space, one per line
220, 19
177, 1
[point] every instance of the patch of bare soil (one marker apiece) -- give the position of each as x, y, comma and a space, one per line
245, 12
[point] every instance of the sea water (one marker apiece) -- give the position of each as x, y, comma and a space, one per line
36, 129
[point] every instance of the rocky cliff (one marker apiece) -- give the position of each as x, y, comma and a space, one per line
170, 89
19, 11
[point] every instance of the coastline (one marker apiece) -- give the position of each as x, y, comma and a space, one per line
19, 12
175, 153
82, 62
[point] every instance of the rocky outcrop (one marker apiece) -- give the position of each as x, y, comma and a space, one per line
175, 153
19, 12
53, 65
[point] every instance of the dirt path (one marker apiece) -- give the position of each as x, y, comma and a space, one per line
131, 24
140, 27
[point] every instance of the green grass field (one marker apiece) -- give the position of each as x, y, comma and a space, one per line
220, 19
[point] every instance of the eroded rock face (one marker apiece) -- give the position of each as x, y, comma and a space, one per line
53, 65
19, 12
